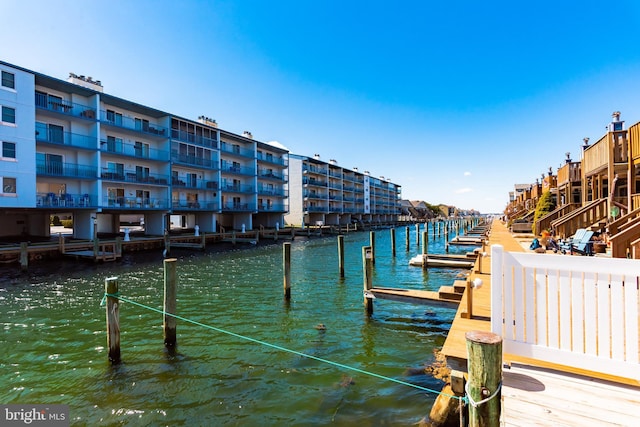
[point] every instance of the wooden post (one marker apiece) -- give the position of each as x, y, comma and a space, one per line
167, 243
341, 255
113, 319
484, 365
372, 242
367, 257
393, 242
24, 256
61, 243
118, 246
286, 265
425, 249
96, 249
203, 242
170, 306
407, 238
468, 294
418, 234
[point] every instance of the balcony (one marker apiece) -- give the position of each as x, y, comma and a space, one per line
129, 123
271, 175
44, 102
52, 136
236, 150
280, 161
315, 209
132, 203
210, 164
238, 207
180, 135
237, 188
227, 167
49, 200
278, 207
134, 177
66, 170
194, 183
313, 181
194, 205
277, 192
133, 150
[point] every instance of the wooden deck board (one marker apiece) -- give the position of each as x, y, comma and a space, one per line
413, 296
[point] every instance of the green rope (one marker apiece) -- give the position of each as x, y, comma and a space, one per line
277, 347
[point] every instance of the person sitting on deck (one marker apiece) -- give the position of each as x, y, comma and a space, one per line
549, 242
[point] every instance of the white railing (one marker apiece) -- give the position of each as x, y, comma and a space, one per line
568, 310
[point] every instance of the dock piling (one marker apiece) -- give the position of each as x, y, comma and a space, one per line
393, 242
24, 256
484, 366
407, 238
170, 306
341, 255
367, 257
286, 265
113, 319
372, 243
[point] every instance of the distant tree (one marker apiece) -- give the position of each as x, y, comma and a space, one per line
545, 205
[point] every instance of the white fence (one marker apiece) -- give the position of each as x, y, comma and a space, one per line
569, 310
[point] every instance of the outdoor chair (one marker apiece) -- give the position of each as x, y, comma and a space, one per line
584, 246
566, 244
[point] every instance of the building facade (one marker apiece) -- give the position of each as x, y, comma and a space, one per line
69, 149
323, 193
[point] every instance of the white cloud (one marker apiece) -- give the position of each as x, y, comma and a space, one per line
467, 173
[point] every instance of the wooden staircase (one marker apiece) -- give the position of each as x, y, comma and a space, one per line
586, 216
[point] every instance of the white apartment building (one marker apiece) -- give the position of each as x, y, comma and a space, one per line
69, 149
323, 193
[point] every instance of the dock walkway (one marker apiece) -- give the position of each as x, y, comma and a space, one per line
546, 395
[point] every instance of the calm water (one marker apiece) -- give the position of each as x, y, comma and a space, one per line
52, 347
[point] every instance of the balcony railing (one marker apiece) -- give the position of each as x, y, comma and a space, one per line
238, 207
280, 161
132, 150
46, 200
211, 164
277, 207
237, 150
271, 175
238, 170
52, 136
312, 181
68, 170
64, 107
134, 176
195, 205
183, 136
316, 209
134, 203
131, 123
272, 192
194, 183
238, 188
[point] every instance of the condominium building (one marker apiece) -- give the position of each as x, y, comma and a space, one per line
323, 193
69, 148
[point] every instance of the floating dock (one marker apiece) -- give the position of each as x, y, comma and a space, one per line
443, 260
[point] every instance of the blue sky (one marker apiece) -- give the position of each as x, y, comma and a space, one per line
455, 101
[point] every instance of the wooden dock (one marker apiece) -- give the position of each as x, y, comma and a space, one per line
447, 296
536, 393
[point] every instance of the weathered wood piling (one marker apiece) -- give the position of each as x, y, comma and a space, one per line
113, 319
286, 267
170, 305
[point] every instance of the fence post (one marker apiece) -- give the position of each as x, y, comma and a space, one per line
113, 319
367, 256
170, 306
484, 365
425, 249
286, 265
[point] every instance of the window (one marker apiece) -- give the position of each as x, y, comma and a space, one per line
114, 144
8, 185
8, 80
142, 149
8, 114
114, 118
8, 150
